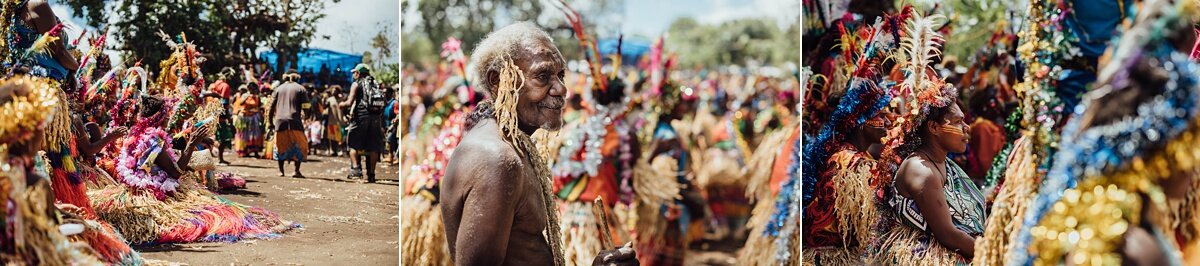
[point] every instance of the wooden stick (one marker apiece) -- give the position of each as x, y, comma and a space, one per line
601, 212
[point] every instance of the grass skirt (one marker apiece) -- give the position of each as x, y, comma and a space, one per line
903, 245
581, 232
422, 235
32, 236
1013, 198
832, 256
192, 214
760, 247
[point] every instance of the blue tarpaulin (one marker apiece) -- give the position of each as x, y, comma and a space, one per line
631, 50
312, 59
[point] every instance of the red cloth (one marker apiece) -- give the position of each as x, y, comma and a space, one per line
222, 88
987, 139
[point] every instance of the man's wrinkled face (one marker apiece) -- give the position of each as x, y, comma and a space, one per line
543, 96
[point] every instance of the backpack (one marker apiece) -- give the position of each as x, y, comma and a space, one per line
375, 98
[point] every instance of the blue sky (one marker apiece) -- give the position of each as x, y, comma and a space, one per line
652, 17
350, 24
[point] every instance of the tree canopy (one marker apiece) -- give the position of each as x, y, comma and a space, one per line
227, 31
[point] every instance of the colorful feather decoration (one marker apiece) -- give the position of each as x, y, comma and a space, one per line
921, 44
919, 91
42, 45
590, 53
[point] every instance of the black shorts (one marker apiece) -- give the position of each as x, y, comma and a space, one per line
365, 134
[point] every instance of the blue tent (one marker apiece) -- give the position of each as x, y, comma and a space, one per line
312, 59
631, 50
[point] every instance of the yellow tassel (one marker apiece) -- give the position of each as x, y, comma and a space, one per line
42, 45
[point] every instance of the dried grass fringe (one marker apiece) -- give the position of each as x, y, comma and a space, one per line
760, 247
581, 233
1020, 185
761, 162
141, 218
854, 200
900, 245
422, 235
36, 236
832, 256
505, 102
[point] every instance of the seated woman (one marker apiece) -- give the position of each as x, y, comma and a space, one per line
940, 208
158, 184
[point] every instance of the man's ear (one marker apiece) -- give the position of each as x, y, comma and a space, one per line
493, 79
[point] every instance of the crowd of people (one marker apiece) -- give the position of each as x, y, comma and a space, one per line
96, 158
1065, 140
515, 143
357, 118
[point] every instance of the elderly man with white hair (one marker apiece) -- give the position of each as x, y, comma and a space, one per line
496, 196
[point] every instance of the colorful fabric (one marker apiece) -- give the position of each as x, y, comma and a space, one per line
290, 145
192, 214
249, 134
333, 133
136, 165
964, 199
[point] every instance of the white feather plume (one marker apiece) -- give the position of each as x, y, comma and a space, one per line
920, 43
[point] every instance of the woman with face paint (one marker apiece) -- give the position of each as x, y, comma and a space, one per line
936, 210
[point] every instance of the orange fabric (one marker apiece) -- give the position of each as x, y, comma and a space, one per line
782, 161
987, 139
604, 184
611, 142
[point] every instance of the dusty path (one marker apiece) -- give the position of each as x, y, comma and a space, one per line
346, 222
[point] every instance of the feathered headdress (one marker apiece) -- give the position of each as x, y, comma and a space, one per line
590, 53
921, 91
868, 95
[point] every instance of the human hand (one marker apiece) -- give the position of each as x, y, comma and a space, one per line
119, 132
625, 255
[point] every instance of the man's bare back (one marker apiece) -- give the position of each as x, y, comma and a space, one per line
490, 193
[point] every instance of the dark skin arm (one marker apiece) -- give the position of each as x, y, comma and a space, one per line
43, 20
923, 184
91, 147
176, 169
353, 94
488, 213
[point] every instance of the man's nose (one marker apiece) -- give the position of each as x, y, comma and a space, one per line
558, 88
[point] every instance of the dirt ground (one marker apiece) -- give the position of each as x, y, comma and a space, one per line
346, 222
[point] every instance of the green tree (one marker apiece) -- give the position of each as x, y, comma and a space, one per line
228, 31
734, 42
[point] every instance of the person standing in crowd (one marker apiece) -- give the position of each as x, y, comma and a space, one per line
987, 137
221, 91
249, 121
334, 119
288, 102
367, 101
391, 116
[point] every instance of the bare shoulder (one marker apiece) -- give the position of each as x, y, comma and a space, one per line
916, 174
482, 156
